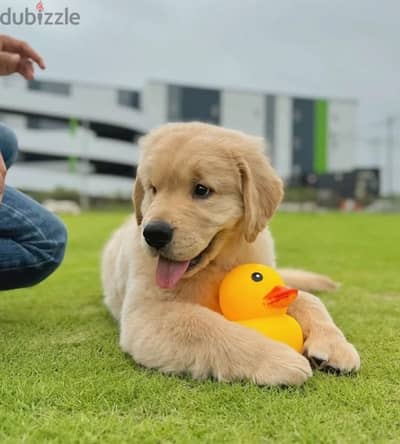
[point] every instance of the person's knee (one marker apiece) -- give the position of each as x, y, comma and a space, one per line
42, 259
8, 145
36, 241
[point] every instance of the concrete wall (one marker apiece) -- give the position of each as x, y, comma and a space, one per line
243, 111
342, 130
283, 139
155, 103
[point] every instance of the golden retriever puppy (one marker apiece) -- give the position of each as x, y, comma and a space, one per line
203, 197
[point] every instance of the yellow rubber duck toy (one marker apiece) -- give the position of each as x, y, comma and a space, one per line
255, 296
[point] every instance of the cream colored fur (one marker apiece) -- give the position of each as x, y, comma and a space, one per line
181, 330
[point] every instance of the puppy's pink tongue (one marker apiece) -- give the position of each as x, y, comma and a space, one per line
169, 272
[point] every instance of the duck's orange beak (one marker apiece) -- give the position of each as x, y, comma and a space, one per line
280, 297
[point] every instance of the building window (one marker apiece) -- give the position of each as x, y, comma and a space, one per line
130, 99
298, 116
296, 143
63, 89
44, 123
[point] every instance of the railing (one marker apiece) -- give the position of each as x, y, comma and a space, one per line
83, 144
36, 178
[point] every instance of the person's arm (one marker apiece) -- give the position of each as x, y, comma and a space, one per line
17, 56
3, 171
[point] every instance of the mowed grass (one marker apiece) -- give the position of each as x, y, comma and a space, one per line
64, 379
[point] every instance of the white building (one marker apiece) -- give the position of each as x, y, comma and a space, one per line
59, 123
305, 135
72, 136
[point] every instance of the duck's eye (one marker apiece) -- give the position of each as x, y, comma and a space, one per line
153, 189
201, 191
257, 277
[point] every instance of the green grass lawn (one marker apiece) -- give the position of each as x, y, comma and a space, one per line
64, 379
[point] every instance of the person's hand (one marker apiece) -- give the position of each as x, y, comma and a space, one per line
18, 56
3, 171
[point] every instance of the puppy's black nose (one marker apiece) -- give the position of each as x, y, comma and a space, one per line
158, 234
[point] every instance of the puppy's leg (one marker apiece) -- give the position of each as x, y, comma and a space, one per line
113, 281
177, 337
325, 345
115, 264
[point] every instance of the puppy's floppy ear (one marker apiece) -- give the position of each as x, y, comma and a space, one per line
137, 197
262, 192
138, 190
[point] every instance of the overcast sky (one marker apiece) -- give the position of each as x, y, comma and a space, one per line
344, 48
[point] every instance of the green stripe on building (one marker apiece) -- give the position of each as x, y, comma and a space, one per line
320, 136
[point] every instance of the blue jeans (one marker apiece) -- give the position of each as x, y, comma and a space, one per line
32, 240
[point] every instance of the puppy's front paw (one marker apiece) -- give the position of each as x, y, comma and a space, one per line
282, 366
329, 350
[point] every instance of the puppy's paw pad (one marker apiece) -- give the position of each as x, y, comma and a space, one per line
317, 362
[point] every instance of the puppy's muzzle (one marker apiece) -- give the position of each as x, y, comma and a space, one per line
158, 234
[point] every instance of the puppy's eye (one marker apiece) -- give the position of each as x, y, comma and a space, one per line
201, 191
153, 189
257, 277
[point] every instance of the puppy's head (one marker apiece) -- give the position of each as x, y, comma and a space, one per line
197, 187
